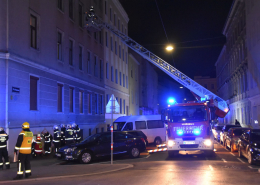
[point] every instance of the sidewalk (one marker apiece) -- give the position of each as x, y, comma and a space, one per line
55, 171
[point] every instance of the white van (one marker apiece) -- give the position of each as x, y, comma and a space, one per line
151, 125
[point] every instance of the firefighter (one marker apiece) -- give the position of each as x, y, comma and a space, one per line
76, 130
38, 146
3, 149
47, 142
56, 137
63, 131
24, 146
69, 135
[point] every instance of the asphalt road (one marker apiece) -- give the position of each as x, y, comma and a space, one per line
157, 168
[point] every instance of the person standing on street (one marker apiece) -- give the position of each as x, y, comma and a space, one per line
76, 130
24, 146
69, 135
3, 149
38, 146
63, 131
56, 137
47, 142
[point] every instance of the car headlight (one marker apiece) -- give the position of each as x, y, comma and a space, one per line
70, 149
171, 143
207, 142
257, 149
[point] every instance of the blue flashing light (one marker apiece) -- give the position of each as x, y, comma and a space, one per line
196, 132
180, 132
171, 101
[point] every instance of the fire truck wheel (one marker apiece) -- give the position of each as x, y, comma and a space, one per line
157, 141
172, 154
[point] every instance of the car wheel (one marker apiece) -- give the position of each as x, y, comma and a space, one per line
172, 154
134, 152
239, 152
250, 158
157, 141
86, 157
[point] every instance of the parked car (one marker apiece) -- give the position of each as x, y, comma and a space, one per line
224, 131
233, 136
216, 131
99, 145
138, 133
151, 125
249, 145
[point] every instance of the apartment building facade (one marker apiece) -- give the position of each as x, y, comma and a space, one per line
52, 69
238, 64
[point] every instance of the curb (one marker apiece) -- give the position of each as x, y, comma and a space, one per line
67, 176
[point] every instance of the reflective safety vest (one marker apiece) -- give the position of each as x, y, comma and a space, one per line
77, 134
56, 136
26, 146
69, 135
3, 139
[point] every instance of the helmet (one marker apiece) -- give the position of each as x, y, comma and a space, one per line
25, 125
55, 127
68, 126
1, 129
38, 137
62, 126
74, 125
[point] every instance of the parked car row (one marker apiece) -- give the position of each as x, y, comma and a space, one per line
236, 138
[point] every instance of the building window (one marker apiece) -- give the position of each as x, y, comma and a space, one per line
112, 73
96, 103
120, 79
71, 52
126, 80
115, 48
110, 12
119, 49
95, 35
60, 98
95, 66
118, 24
111, 42
33, 25
123, 80
60, 4
80, 58
59, 46
80, 15
101, 69
107, 70
116, 76
89, 103
71, 101
101, 104
89, 131
107, 98
81, 95
71, 9
33, 93
106, 40
120, 106
100, 37
88, 63
123, 54
124, 106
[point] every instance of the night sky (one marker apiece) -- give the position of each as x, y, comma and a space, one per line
193, 26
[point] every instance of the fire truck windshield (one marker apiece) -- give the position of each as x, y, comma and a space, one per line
180, 114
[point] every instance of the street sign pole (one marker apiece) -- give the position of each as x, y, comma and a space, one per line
112, 129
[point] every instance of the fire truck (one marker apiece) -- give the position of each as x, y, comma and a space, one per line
188, 124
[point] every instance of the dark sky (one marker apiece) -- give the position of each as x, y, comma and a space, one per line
194, 26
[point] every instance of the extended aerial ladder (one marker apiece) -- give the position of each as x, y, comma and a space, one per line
95, 23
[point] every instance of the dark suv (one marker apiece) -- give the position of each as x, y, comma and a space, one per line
99, 145
249, 145
138, 133
224, 131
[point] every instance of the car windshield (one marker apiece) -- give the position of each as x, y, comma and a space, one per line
255, 136
187, 113
238, 132
91, 138
118, 126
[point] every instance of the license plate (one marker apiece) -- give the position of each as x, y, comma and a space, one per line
58, 155
188, 142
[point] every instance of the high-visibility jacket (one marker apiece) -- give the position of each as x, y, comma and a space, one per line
77, 133
56, 136
69, 135
3, 138
24, 142
63, 131
47, 137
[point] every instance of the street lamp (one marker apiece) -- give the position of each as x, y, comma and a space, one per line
170, 48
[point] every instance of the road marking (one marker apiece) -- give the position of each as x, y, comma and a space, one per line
211, 168
240, 160
232, 154
147, 156
224, 160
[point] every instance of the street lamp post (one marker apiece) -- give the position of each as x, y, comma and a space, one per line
170, 48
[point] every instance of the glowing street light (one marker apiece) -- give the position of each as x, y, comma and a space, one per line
169, 48
181, 87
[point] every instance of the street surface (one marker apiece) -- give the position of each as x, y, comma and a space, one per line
223, 168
